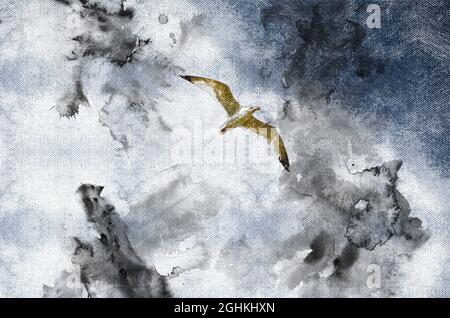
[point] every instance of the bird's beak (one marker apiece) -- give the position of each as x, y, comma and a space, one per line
186, 77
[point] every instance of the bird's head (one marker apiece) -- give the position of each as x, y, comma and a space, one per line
254, 109
187, 78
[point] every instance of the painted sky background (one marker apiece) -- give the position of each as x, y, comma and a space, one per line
349, 96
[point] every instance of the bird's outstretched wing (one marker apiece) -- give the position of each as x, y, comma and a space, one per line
271, 134
221, 91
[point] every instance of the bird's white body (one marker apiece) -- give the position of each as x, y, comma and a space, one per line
245, 110
238, 117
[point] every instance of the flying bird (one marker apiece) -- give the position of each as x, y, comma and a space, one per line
241, 116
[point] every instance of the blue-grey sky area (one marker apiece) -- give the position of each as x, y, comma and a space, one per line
397, 74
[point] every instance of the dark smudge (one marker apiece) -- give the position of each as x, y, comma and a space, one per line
68, 106
163, 19
124, 269
385, 213
109, 266
347, 258
318, 246
106, 34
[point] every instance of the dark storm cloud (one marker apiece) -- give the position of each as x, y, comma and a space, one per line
109, 266
106, 33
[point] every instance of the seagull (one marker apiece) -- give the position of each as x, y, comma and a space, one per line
241, 116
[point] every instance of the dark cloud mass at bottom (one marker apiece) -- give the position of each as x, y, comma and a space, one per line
109, 266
